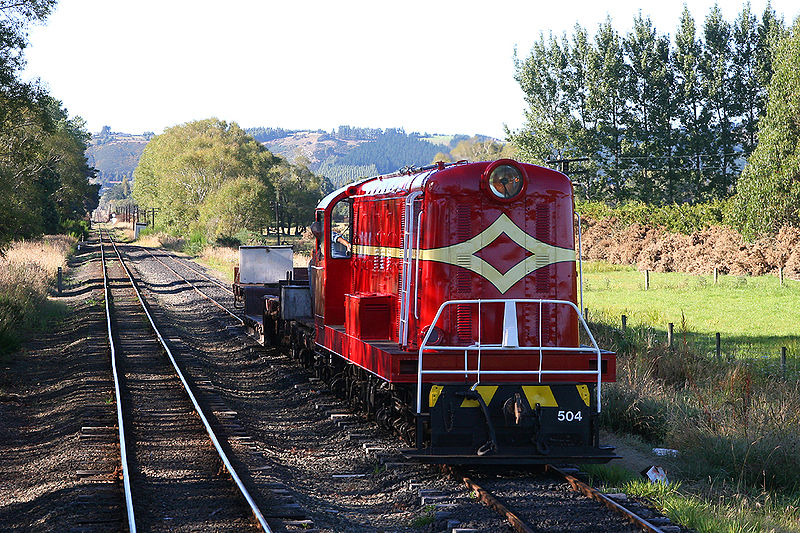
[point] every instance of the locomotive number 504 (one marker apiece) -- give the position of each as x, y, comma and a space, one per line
569, 416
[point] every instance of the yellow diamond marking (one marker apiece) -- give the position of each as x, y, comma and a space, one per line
462, 254
542, 254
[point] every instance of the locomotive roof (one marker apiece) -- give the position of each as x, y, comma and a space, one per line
402, 182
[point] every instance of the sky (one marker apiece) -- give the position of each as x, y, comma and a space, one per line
426, 66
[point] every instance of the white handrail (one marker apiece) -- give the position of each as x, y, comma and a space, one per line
499, 347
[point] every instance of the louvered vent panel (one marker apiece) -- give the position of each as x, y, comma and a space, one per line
463, 222
464, 323
543, 286
463, 232
463, 281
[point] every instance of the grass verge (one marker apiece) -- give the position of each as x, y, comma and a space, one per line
715, 511
735, 420
27, 272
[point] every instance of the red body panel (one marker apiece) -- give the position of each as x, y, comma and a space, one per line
472, 245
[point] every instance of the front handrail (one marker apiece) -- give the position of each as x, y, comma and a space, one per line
478, 347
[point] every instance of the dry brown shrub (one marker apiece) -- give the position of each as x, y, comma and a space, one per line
170, 242
699, 253
27, 270
221, 255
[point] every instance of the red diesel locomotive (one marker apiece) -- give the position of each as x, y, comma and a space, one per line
443, 301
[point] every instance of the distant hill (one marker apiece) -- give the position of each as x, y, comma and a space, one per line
115, 155
342, 155
349, 153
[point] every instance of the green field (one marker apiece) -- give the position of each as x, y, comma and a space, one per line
755, 316
439, 139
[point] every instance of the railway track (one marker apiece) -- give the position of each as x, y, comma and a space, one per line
488, 492
171, 475
525, 517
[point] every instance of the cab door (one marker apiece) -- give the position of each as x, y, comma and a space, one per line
337, 260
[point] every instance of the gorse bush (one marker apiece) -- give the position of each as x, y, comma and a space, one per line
674, 218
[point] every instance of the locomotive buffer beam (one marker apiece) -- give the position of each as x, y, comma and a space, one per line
509, 424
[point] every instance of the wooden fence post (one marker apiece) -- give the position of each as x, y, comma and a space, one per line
624, 322
783, 361
670, 331
719, 351
646, 280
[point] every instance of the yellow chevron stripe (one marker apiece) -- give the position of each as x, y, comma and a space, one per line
486, 392
436, 390
541, 394
583, 390
542, 254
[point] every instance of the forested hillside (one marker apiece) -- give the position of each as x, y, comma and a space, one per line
115, 155
342, 155
349, 153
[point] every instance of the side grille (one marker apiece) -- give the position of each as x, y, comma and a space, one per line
543, 224
464, 323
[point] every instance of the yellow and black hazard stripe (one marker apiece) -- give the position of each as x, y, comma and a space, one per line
566, 395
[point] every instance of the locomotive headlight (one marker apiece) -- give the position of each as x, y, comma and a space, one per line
505, 181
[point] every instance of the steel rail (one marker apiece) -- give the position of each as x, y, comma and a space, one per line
577, 485
589, 491
187, 265
123, 447
209, 298
488, 498
223, 456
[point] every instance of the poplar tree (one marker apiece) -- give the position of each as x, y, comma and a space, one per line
547, 120
717, 85
659, 122
609, 101
648, 133
768, 192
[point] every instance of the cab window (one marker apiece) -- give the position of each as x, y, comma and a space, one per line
341, 228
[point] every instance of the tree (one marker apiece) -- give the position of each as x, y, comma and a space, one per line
768, 192
475, 149
183, 167
658, 123
609, 101
15, 17
548, 120
298, 191
44, 176
239, 204
717, 83
648, 140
